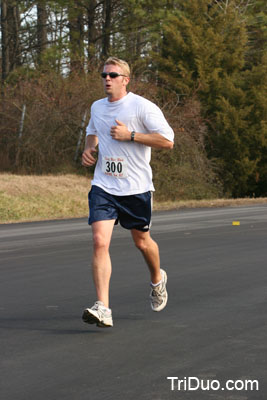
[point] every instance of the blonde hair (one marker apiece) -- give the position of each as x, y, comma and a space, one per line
121, 63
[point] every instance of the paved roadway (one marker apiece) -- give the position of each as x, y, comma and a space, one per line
213, 330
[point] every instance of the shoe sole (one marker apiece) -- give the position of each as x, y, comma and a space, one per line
163, 305
89, 318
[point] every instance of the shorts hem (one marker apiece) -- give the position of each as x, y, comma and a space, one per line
90, 222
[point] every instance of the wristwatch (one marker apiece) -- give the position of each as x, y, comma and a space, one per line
132, 136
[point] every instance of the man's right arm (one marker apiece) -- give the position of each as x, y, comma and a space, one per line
90, 147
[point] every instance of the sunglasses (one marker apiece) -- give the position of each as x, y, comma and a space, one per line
111, 74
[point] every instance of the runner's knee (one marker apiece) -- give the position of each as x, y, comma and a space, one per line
100, 241
141, 244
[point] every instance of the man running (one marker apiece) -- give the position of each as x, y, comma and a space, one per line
124, 126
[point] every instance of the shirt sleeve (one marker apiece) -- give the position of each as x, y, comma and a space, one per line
155, 122
91, 130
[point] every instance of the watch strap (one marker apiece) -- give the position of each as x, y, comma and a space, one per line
132, 136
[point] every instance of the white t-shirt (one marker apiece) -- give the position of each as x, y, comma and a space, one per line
123, 167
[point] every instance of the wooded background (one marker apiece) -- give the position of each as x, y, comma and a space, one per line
203, 62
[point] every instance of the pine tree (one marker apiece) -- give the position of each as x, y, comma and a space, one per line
256, 21
204, 50
255, 84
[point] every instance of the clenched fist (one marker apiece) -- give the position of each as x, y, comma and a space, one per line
87, 157
120, 132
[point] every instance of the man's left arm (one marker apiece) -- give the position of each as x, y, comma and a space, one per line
156, 140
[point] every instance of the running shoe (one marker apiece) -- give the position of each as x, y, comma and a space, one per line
99, 315
159, 295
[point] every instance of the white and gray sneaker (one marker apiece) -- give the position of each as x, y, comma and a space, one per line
159, 295
99, 315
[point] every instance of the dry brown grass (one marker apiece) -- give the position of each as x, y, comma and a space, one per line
208, 203
32, 198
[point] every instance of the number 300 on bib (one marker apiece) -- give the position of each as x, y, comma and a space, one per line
115, 166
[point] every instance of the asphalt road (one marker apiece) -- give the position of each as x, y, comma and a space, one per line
213, 330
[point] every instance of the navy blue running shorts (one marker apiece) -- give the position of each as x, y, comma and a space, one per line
133, 211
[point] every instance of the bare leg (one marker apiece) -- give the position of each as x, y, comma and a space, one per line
150, 251
102, 232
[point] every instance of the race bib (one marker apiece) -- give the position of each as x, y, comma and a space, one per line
115, 166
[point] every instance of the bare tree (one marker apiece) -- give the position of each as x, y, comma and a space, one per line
107, 12
10, 24
92, 32
76, 35
5, 47
41, 30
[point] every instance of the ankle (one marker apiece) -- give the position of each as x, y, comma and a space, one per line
156, 279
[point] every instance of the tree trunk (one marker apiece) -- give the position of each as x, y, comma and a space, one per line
41, 30
106, 28
76, 32
13, 22
91, 29
5, 47
11, 49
